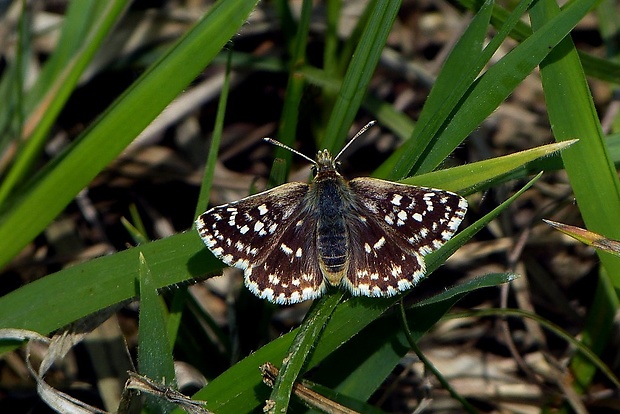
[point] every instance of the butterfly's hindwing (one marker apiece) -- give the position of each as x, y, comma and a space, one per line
381, 262
289, 272
249, 233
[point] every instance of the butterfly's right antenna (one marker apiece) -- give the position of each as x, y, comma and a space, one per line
279, 144
360, 132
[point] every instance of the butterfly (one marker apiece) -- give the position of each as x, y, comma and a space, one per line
366, 235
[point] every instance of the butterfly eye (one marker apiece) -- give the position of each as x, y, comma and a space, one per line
314, 170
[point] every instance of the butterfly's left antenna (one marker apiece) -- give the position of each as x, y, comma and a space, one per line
360, 132
279, 144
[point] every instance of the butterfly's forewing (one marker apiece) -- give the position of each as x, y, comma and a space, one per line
249, 233
393, 227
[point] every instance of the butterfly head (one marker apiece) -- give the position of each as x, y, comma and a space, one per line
325, 163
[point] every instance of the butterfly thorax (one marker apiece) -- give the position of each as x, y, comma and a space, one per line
330, 194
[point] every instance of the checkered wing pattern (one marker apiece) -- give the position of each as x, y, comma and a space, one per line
390, 230
270, 236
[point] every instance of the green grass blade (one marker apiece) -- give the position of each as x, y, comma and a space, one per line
207, 180
12, 89
307, 335
592, 174
480, 175
359, 72
462, 66
295, 87
501, 79
124, 120
102, 282
154, 352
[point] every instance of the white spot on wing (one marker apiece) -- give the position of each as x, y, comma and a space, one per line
379, 244
286, 249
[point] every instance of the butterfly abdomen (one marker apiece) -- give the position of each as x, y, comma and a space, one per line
332, 236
